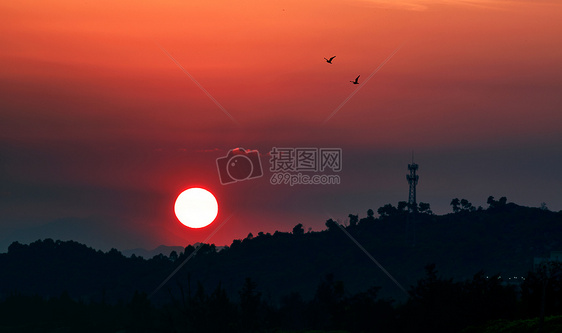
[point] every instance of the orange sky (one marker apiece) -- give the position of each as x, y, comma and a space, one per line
89, 95
260, 59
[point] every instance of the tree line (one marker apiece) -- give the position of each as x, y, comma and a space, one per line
434, 304
300, 280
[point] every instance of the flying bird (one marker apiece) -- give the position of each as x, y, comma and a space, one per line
356, 80
329, 60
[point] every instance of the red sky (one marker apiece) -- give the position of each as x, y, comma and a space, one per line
100, 129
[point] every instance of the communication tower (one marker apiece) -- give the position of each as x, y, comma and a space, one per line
412, 181
412, 204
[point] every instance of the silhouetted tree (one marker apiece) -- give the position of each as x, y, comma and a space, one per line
236, 243
490, 201
298, 229
364, 311
502, 201
206, 249
353, 219
493, 204
424, 208
402, 206
222, 313
325, 308
141, 313
198, 314
188, 250
455, 203
331, 224
15, 247
292, 311
369, 219
442, 305
173, 256
433, 304
485, 299
159, 257
541, 292
467, 206
250, 300
414, 207
387, 211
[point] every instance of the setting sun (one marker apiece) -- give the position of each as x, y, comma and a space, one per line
196, 207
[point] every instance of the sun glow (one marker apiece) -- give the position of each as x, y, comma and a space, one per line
196, 207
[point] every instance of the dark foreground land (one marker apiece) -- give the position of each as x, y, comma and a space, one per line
468, 271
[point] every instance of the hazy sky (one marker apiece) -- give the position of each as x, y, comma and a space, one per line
100, 129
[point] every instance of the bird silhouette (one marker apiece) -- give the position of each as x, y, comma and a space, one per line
356, 80
330, 60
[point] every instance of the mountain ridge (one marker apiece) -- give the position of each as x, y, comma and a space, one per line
501, 239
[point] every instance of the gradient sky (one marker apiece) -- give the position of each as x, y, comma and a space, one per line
100, 130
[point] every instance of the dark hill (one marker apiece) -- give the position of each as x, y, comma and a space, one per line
501, 239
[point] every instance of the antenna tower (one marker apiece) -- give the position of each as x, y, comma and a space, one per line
412, 204
412, 181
